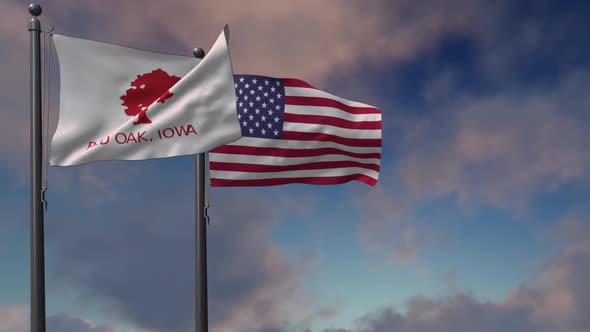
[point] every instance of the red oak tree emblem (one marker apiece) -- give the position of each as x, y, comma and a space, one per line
145, 90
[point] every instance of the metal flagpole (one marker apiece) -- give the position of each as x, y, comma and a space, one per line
201, 312
37, 237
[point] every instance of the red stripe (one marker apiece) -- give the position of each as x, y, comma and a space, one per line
326, 102
331, 121
307, 180
295, 83
257, 168
284, 152
321, 137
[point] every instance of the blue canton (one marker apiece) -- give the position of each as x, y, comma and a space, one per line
260, 105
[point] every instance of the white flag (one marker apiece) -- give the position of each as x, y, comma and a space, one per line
119, 103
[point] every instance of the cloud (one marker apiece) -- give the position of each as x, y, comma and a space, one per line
559, 295
540, 41
460, 313
267, 36
94, 184
497, 150
16, 319
497, 141
135, 261
502, 149
13, 319
390, 228
556, 299
67, 323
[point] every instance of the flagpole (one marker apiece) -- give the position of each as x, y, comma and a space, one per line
37, 237
201, 311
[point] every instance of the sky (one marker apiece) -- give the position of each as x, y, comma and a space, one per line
479, 221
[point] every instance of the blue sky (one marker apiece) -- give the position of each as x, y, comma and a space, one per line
479, 219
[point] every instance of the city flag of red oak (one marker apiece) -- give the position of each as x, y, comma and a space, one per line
120, 103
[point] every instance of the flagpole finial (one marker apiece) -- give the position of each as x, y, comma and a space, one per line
199, 53
35, 9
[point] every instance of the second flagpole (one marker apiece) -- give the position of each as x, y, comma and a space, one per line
201, 310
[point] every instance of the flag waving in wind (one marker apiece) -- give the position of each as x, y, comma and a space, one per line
119, 103
295, 133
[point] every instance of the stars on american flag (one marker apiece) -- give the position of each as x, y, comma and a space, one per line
261, 105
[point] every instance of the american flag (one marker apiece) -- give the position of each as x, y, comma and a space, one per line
295, 133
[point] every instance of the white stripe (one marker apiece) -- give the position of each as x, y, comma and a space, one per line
284, 161
336, 131
229, 175
307, 92
330, 111
289, 144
